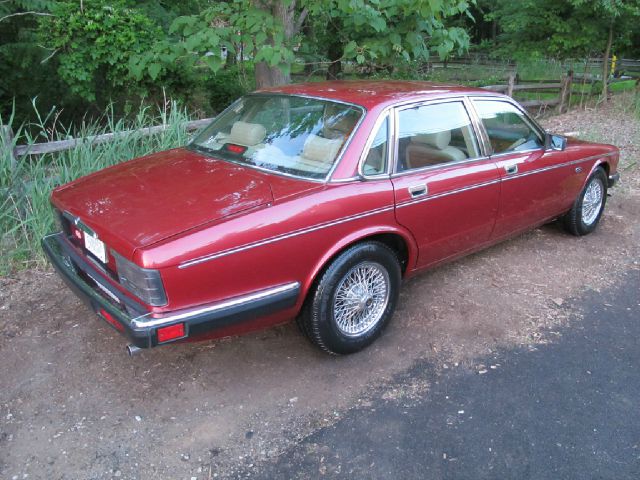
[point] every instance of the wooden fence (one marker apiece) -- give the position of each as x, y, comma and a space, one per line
625, 66
563, 87
513, 84
21, 151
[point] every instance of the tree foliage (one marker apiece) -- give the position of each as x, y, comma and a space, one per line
83, 54
94, 42
562, 28
270, 32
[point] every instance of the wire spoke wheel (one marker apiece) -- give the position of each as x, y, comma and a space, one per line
592, 202
361, 298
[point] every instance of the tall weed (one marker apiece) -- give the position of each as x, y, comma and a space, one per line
25, 185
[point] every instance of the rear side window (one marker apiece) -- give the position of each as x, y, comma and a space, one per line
376, 161
435, 134
507, 127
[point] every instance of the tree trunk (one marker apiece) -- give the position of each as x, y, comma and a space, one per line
605, 64
334, 50
267, 76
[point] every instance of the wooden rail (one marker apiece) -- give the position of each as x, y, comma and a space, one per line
61, 145
563, 87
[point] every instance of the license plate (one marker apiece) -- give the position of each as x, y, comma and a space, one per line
96, 247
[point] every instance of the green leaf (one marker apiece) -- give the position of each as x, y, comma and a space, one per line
350, 49
154, 70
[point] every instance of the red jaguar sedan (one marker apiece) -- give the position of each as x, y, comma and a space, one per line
314, 202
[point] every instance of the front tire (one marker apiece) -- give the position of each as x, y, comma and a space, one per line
353, 299
585, 214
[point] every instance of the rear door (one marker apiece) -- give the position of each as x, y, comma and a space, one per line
446, 191
534, 179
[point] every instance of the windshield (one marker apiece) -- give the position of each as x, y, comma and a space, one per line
289, 134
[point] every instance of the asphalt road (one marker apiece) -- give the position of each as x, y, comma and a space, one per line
569, 409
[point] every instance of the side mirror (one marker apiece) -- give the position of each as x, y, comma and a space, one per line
555, 142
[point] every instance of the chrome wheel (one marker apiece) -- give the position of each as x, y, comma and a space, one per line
592, 202
361, 298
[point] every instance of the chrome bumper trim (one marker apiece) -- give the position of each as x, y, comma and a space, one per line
146, 321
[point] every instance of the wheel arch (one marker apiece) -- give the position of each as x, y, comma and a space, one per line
398, 239
599, 163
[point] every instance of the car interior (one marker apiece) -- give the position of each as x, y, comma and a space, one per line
436, 135
304, 138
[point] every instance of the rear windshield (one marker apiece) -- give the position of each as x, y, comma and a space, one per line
288, 134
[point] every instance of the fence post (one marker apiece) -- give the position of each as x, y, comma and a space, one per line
6, 133
565, 92
510, 84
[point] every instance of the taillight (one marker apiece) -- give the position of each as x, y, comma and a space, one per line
171, 332
144, 283
76, 232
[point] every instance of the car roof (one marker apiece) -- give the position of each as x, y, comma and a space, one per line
374, 93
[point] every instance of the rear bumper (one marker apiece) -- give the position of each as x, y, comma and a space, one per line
135, 321
613, 179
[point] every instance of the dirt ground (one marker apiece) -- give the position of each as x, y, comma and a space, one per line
73, 405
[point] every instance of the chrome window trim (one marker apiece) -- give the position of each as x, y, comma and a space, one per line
337, 160
420, 103
143, 321
481, 134
439, 166
518, 152
384, 115
344, 180
528, 120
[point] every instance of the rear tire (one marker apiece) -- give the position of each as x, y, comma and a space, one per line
353, 299
585, 214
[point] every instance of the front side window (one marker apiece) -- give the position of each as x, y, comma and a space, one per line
507, 127
288, 134
376, 161
435, 134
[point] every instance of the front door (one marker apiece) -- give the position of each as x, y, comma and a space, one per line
446, 192
533, 184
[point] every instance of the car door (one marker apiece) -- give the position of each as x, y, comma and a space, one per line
446, 190
533, 179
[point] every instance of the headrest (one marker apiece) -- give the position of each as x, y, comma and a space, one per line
440, 140
338, 121
247, 134
320, 149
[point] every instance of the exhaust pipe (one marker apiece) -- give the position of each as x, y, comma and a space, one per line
133, 350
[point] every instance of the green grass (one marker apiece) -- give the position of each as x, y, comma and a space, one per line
25, 213
622, 86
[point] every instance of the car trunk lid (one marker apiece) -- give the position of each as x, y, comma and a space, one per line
138, 203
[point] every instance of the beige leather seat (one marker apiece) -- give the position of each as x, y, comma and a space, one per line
428, 149
319, 153
247, 134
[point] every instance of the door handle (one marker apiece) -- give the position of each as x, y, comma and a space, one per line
418, 190
511, 169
